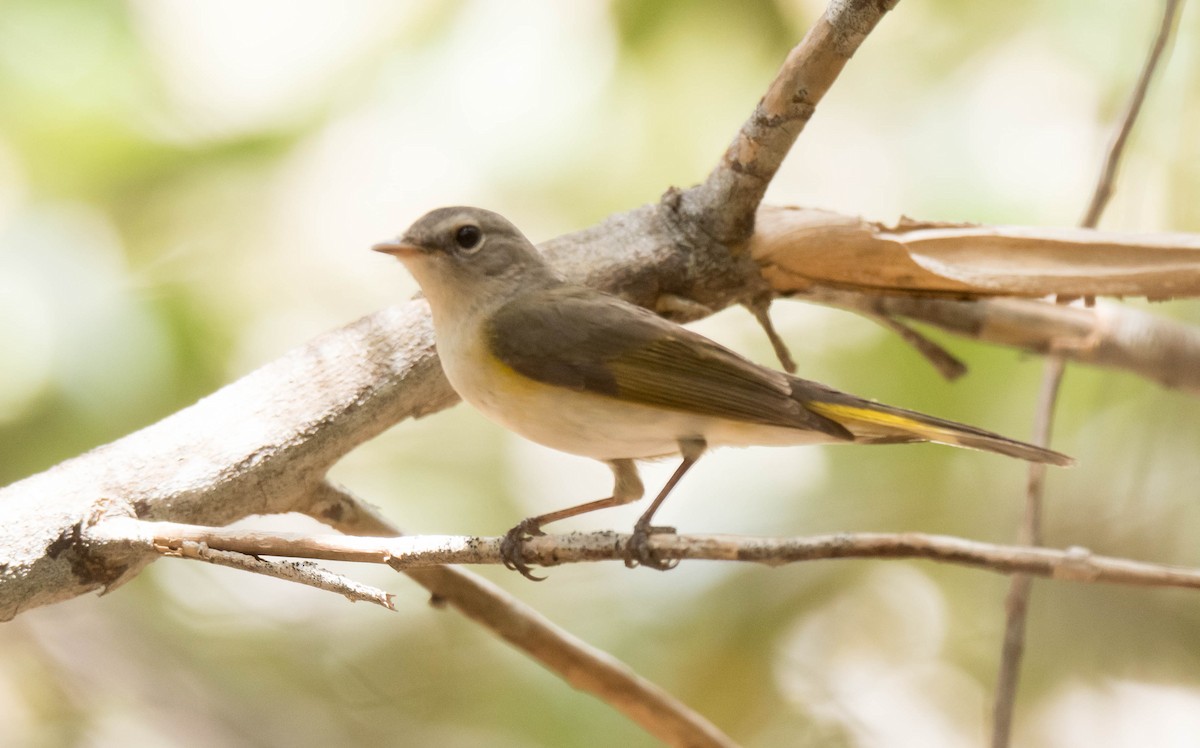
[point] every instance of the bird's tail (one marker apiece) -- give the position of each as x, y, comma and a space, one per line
875, 423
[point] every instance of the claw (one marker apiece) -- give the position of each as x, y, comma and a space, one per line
513, 545
638, 552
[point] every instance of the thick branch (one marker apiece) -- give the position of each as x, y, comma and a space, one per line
263, 443
254, 447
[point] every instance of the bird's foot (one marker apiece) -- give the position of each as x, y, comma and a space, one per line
638, 551
512, 547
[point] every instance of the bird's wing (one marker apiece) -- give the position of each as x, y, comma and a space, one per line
590, 342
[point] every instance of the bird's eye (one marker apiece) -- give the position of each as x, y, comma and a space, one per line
468, 237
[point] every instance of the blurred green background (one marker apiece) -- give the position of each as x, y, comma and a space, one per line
188, 189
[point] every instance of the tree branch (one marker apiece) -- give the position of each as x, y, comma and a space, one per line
418, 552
260, 444
740, 180
1016, 602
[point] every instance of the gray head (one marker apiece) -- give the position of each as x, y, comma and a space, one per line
468, 252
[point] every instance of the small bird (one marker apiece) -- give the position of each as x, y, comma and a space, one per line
588, 373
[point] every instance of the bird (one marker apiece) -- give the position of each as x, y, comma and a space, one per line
588, 373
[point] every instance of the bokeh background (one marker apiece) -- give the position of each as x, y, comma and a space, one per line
188, 189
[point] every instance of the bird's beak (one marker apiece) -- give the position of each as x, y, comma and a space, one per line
398, 248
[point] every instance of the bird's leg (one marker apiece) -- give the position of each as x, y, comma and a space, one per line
627, 487
638, 551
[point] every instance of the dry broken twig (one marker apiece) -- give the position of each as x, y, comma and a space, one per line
922, 271
946, 364
799, 248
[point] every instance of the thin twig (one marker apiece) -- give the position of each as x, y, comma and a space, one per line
1020, 590
427, 552
1108, 174
1016, 603
946, 364
760, 307
301, 572
578, 663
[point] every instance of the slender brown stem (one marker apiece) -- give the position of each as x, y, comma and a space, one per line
760, 307
1021, 588
943, 360
1108, 174
1016, 604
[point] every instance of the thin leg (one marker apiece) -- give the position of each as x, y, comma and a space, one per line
627, 487
639, 552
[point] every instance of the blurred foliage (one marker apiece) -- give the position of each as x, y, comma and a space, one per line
188, 189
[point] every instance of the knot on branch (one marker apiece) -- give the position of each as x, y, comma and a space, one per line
713, 246
89, 565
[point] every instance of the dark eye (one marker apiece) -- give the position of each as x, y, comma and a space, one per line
468, 237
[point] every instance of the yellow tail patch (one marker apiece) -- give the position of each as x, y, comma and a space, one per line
841, 412
885, 424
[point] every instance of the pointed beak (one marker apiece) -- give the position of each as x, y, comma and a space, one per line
398, 248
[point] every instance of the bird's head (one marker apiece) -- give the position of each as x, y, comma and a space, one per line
461, 253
